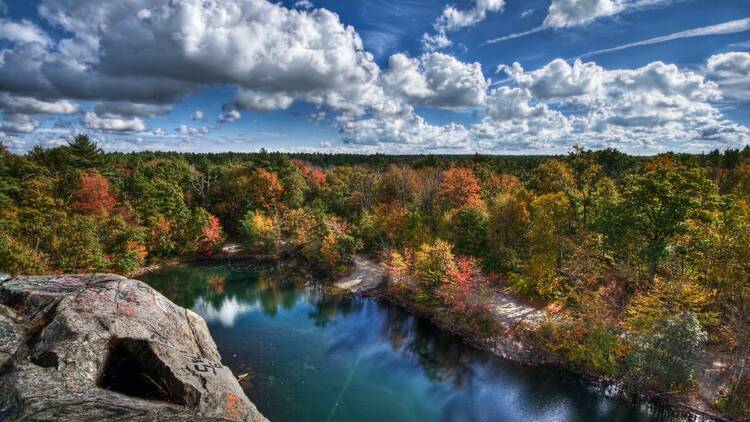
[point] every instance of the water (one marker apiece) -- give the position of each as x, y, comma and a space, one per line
319, 357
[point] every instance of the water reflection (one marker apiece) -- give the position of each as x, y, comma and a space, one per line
315, 356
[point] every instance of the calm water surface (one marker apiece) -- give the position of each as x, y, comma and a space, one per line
318, 357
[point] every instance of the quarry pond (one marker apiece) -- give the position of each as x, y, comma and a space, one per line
316, 356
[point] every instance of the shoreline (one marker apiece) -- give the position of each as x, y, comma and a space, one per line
504, 345
507, 345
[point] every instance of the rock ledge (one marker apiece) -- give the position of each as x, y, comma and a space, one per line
97, 347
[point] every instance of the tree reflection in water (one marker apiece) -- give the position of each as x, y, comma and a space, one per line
382, 349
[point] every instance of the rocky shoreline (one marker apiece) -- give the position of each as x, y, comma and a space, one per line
102, 346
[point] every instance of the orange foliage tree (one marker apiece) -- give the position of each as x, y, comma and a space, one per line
93, 194
265, 189
460, 187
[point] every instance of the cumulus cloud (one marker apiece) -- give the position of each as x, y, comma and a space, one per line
18, 123
186, 130
29, 105
113, 123
258, 101
157, 51
645, 107
453, 19
732, 73
729, 65
229, 116
197, 115
566, 13
436, 80
22, 32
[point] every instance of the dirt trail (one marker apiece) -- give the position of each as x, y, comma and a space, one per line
368, 275
510, 312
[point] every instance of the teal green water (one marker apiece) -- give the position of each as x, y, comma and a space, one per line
318, 357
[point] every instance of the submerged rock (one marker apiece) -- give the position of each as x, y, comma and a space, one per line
103, 346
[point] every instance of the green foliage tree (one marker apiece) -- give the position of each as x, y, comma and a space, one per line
666, 356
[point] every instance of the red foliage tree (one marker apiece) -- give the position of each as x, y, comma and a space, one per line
211, 236
465, 288
93, 194
460, 187
314, 176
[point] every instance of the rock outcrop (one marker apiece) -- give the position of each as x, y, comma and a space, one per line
101, 347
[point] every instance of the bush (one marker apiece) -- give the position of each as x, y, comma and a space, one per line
259, 233
17, 258
665, 356
433, 263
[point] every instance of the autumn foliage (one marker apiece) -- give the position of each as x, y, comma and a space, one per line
93, 194
211, 236
460, 187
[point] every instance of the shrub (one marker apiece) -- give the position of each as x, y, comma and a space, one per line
665, 356
259, 232
433, 263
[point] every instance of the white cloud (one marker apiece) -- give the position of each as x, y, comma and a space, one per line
229, 116
436, 80
253, 100
304, 4
160, 51
732, 72
729, 65
18, 123
644, 107
186, 130
197, 115
29, 105
22, 32
453, 19
566, 13
571, 13
113, 123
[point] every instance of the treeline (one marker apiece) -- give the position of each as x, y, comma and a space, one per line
648, 257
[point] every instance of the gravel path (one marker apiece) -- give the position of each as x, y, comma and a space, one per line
510, 312
368, 275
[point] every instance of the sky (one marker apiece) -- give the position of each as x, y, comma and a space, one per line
377, 76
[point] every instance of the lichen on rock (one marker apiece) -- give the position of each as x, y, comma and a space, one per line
78, 347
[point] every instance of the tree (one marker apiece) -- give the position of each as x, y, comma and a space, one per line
264, 189
656, 205
400, 184
665, 356
433, 264
93, 194
83, 153
551, 225
467, 229
211, 236
259, 232
507, 231
78, 248
553, 176
459, 187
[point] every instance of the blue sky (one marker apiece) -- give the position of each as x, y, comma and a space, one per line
488, 76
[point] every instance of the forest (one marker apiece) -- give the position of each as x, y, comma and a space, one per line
647, 258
